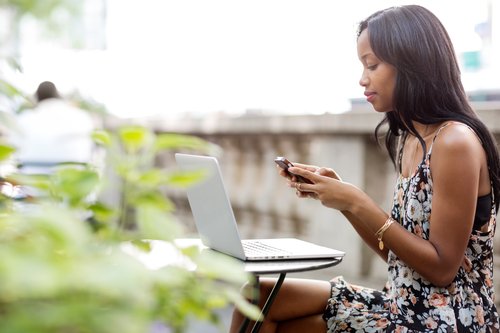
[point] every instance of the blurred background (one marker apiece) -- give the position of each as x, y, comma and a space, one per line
171, 58
260, 78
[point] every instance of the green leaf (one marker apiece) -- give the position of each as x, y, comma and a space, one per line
102, 138
190, 251
186, 178
39, 181
142, 244
168, 141
64, 180
101, 212
10, 90
152, 178
151, 199
6, 151
154, 223
134, 137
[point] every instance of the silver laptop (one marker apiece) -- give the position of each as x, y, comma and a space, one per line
216, 224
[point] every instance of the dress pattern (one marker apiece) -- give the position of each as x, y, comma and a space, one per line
409, 303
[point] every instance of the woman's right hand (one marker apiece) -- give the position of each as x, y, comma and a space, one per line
326, 186
283, 173
328, 172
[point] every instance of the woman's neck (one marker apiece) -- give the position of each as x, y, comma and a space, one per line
425, 130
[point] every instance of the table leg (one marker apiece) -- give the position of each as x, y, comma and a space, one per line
269, 302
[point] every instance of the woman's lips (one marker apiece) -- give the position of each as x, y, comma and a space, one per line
370, 96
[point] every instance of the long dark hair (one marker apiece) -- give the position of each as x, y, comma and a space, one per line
428, 84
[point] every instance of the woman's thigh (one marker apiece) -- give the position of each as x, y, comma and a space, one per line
296, 298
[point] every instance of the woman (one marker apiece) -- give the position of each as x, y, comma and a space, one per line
437, 239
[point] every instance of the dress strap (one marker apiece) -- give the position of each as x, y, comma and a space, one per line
435, 136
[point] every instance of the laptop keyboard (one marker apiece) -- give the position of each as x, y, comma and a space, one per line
256, 248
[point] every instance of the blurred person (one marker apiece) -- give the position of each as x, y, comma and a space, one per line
437, 239
53, 132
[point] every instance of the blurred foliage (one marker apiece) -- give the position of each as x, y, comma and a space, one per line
54, 15
70, 260
63, 267
5, 151
17, 102
41, 9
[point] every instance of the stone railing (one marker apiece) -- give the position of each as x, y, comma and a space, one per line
265, 207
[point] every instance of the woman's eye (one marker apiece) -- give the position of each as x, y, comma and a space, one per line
372, 67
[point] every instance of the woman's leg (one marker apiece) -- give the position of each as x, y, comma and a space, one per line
299, 305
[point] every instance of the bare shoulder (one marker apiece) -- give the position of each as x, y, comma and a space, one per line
459, 140
457, 153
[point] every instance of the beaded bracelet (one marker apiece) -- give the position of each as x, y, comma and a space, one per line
380, 232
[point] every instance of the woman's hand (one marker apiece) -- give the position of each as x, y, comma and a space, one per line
326, 186
317, 170
284, 173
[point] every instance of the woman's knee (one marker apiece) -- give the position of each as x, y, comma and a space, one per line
255, 293
264, 289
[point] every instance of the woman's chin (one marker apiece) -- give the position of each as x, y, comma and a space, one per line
381, 109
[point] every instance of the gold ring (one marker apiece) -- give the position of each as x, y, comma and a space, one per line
298, 186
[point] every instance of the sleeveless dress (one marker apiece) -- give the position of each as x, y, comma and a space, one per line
409, 303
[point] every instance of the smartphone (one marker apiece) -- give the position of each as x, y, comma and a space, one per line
285, 164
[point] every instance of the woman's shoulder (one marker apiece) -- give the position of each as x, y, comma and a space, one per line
455, 137
456, 145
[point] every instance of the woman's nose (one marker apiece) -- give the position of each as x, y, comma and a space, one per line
363, 80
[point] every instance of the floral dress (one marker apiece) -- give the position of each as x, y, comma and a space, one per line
409, 303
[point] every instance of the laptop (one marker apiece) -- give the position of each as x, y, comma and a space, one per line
215, 221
